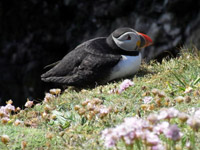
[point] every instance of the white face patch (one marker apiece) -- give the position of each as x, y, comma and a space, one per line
127, 66
127, 41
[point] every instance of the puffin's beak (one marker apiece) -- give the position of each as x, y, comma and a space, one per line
148, 40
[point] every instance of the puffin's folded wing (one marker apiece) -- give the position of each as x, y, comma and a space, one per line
87, 71
65, 66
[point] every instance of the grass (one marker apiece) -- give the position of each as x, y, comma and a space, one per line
19, 134
57, 125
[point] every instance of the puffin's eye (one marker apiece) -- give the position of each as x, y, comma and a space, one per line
129, 37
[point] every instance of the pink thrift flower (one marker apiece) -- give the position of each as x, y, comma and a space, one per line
104, 111
158, 147
183, 116
172, 112
124, 85
29, 104
160, 128
197, 113
151, 138
173, 132
168, 113
110, 137
9, 108
153, 118
188, 90
90, 106
147, 99
3, 112
121, 130
139, 134
48, 97
4, 120
110, 142
162, 115
188, 145
55, 91
17, 122
194, 123
130, 129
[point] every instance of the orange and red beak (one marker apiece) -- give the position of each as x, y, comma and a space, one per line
148, 40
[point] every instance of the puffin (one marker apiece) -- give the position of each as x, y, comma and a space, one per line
100, 60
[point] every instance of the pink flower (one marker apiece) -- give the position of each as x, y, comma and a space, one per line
153, 118
90, 106
194, 123
129, 130
17, 122
183, 116
162, 115
158, 147
55, 91
121, 130
194, 120
172, 112
151, 138
29, 104
188, 145
124, 85
160, 128
110, 137
147, 99
197, 113
104, 110
9, 108
173, 132
3, 112
6, 110
48, 97
129, 137
168, 113
4, 120
188, 90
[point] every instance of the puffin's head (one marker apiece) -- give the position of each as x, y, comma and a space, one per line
130, 40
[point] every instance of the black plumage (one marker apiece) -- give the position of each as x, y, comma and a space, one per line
88, 64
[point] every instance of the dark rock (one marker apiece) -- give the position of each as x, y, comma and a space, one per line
192, 32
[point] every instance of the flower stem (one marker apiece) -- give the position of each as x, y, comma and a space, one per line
138, 144
174, 145
193, 140
6, 147
129, 147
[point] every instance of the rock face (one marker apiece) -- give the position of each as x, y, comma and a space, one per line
35, 33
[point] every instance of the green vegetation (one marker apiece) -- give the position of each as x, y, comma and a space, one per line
67, 121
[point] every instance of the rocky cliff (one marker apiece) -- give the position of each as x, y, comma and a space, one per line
35, 33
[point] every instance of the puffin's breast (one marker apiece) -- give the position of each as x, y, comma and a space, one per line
127, 66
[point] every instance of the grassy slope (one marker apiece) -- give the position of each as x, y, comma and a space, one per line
70, 131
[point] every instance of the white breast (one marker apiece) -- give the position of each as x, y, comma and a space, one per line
127, 66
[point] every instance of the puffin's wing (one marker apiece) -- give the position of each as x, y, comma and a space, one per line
82, 70
66, 66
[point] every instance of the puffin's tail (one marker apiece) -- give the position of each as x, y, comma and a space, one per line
46, 76
59, 80
50, 76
